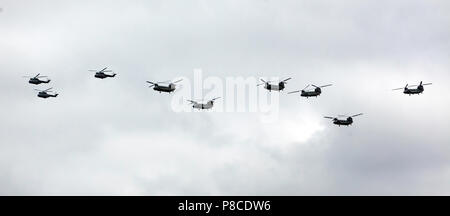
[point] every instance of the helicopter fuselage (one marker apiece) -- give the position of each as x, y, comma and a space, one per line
272, 87
417, 90
37, 81
168, 89
345, 122
46, 95
102, 75
202, 106
314, 93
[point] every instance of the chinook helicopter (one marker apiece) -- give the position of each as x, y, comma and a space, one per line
102, 74
201, 106
160, 88
35, 80
347, 120
311, 93
274, 87
45, 93
412, 91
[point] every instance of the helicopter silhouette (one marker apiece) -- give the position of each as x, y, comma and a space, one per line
310, 93
346, 121
35, 80
102, 74
45, 93
202, 106
411, 91
161, 88
274, 87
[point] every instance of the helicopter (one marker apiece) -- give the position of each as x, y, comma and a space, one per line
45, 94
170, 88
35, 80
201, 106
270, 87
347, 121
412, 91
102, 74
311, 93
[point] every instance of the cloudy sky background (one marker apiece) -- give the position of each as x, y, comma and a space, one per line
117, 137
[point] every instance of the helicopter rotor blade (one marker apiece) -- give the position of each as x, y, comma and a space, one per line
328, 117
286, 80
325, 85
37, 75
292, 92
103, 69
307, 86
357, 115
177, 81
215, 98
427, 84
397, 89
151, 82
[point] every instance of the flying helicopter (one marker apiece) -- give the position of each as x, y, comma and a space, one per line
35, 80
311, 93
347, 120
45, 93
201, 106
412, 91
102, 74
161, 88
275, 87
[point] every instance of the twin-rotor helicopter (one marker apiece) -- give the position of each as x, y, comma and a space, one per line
201, 106
171, 87
314, 92
274, 87
343, 119
412, 91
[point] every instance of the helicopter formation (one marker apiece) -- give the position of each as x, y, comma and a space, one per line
169, 87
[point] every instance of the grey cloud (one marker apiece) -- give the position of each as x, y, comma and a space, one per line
117, 136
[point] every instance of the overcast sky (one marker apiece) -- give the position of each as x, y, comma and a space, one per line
118, 137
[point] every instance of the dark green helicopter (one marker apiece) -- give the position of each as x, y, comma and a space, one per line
35, 80
103, 73
164, 88
45, 93
316, 91
343, 119
411, 91
274, 87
